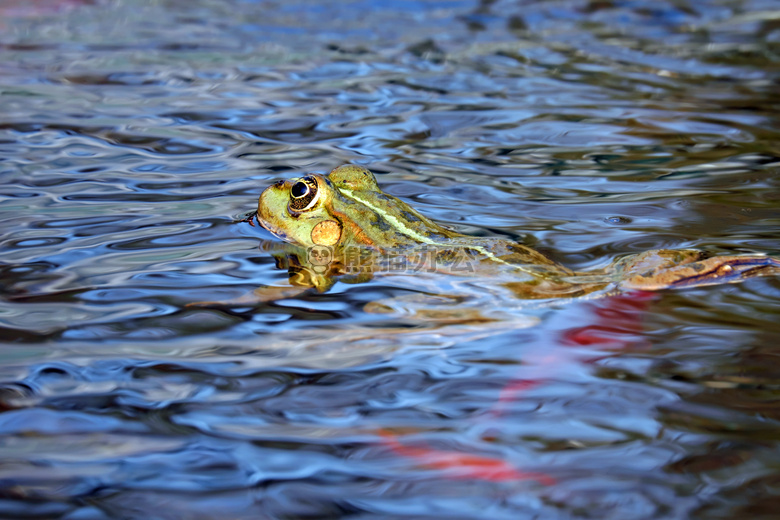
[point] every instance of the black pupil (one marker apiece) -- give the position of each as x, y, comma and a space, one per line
299, 189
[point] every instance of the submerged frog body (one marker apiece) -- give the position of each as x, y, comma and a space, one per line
346, 228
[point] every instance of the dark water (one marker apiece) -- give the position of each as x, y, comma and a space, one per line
133, 134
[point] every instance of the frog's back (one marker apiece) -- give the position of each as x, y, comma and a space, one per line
396, 225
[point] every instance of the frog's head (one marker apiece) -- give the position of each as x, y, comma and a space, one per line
346, 208
310, 210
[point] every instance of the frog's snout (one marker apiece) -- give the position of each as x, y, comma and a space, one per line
272, 207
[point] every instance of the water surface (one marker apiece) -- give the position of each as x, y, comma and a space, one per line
134, 134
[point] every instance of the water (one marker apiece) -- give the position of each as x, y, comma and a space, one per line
134, 134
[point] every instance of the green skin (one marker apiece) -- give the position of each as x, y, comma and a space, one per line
365, 217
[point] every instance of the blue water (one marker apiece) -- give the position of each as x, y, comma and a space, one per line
133, 136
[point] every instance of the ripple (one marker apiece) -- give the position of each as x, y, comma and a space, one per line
133, 134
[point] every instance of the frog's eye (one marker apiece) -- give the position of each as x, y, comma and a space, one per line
299, 190
304, 194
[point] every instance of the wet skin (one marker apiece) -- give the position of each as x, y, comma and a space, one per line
335, 218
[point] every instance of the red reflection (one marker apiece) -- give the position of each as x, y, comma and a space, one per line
613, 322
464, 465
616, 324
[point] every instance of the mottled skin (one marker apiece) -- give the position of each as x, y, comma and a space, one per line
346, 210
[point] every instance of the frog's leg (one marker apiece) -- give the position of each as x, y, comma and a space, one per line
664, 269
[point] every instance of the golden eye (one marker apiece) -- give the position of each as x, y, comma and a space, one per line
303, 194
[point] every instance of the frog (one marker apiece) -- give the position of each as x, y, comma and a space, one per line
343, 227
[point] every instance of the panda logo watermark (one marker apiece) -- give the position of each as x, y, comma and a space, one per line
320, 258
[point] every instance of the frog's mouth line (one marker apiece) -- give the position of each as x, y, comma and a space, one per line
274, 231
